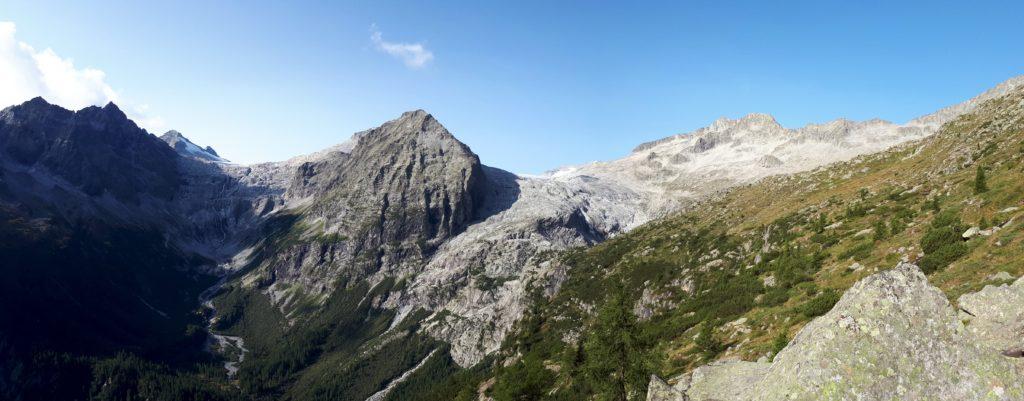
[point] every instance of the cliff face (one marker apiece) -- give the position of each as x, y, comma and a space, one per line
98, 151
407, 179
380, 209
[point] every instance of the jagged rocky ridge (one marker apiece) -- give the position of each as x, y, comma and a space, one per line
889, 325
675, 171
405, 201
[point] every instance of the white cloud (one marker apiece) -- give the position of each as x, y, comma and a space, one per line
414, 55
26, 73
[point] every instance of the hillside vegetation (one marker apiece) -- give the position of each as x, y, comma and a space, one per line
735, 277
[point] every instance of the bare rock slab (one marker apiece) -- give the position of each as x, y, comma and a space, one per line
892, 336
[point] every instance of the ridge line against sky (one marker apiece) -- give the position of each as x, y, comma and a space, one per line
530, 87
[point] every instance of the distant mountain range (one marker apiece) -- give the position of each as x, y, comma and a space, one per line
344, 271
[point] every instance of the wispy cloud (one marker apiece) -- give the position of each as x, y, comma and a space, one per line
26, 73
414, 55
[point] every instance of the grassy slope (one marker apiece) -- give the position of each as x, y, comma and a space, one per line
725, 248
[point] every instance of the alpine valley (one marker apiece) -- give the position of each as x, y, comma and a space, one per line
740, 261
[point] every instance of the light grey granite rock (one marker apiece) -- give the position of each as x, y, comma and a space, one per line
892, 336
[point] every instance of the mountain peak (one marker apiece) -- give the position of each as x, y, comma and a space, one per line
417, 123
112, 108
38, 100
418, 113
759, 117
172, 135
187, 148
418, 116
755, 121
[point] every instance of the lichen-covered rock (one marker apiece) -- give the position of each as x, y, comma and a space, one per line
730, 380
658, 390
995, 316
892, 336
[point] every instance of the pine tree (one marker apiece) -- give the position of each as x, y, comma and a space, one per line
616, 366
980, 184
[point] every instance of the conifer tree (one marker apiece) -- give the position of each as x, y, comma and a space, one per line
616, 365
980, 184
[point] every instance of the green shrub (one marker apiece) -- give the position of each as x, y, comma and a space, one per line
858, 252
942, 257
825, 239
779, 343
897, 225
775, 296
820, 304
938, 238
820, 223
942, 243
881, 230
947, 218
856, 210
526, 379
707, 343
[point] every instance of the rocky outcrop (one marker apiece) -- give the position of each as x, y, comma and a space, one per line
891, 336
995, 316
97, 151
378, 209
658, 390
410, 165
186, 148
478, 281
890, 325
729, 380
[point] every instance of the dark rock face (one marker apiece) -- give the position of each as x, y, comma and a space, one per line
88, 260
412, 163
405, 188
98, 150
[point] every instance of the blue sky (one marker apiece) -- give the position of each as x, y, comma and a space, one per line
529, 86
